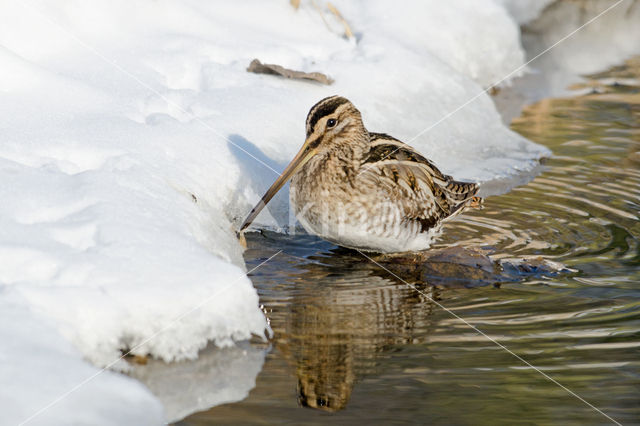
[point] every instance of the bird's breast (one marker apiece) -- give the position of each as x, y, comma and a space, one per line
353, 215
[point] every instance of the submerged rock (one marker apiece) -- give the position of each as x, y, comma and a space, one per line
459, 266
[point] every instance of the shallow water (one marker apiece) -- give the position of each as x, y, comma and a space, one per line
360, 345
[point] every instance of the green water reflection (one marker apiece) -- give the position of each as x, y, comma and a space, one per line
360, 347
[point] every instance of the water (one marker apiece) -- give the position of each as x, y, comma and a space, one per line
353, 344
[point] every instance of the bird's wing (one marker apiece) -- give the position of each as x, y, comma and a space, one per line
424, 193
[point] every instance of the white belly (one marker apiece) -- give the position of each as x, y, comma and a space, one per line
358, 225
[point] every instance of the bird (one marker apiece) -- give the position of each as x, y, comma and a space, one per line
364, 190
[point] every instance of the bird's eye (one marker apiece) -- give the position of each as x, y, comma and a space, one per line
332, 122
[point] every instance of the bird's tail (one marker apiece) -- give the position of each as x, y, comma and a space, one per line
461, 191
463, 195
475, 202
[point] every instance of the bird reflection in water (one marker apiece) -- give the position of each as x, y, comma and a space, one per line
335, 337
337, 312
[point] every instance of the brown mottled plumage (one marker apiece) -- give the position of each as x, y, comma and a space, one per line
365, 190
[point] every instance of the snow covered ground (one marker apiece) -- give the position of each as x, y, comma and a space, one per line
133, 142
611, 38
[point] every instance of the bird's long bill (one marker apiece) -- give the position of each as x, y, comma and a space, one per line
298, 161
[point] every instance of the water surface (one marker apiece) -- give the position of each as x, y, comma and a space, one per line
353, 344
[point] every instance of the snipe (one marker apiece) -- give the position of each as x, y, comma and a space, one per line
364, 190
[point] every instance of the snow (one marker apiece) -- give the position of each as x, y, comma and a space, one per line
133, 142
587, 37
474, 32
525, 11
39, 366
612, 31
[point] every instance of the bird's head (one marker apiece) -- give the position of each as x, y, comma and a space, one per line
330, 122
332, 119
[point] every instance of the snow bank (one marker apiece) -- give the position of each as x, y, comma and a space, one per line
607, 40
524, 11
587, 37
39, 366
132, 141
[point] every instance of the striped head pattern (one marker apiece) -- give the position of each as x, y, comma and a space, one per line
331, 118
